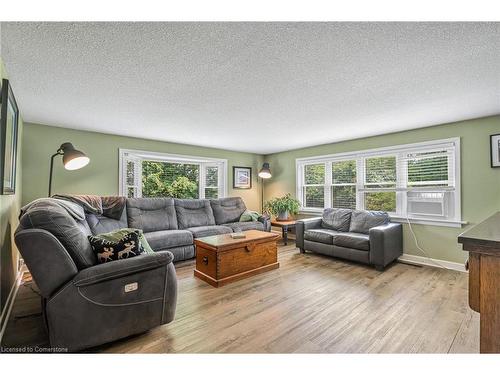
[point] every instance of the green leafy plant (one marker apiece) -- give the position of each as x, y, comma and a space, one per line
281, 205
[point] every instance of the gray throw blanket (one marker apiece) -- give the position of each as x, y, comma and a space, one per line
109, 206
73, 209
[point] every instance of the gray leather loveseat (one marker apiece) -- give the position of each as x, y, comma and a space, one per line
362, 236
87, 304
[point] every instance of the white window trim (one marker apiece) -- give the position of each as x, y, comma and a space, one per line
360, 155
203, 162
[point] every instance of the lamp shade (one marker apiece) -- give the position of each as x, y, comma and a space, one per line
72, 158
265, 172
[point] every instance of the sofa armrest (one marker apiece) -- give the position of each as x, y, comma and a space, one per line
113, 300
266, 220
48, 261
120, 268
303, 225
386, 244
143, 279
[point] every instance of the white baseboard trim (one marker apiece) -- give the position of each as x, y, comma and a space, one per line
4, 317
415, 259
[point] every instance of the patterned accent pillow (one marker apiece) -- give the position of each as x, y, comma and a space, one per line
106, 250
117, 235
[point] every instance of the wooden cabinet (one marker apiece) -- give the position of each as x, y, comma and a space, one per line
474, 264
483, 244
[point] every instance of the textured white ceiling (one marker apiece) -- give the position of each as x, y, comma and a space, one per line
257, 87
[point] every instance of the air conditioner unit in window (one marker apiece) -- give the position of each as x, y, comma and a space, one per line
426, 203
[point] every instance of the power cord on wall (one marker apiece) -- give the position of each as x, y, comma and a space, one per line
420, 248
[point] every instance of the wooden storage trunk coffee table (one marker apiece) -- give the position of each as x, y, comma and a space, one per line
222, 259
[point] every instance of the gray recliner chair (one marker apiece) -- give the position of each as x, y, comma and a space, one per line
86, 304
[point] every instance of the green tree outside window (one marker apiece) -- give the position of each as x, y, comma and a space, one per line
176, 180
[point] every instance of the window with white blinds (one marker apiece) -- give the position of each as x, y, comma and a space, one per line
344, 184
313, 190
151, 174
379, 191
418, 181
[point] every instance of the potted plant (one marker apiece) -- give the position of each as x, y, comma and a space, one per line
282, 207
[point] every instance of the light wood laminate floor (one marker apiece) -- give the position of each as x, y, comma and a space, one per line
311, 304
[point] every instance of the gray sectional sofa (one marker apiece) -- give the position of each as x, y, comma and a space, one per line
173, 224
87, 304
362, 236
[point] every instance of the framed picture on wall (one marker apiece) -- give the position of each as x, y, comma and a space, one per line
495, 150
242, 177
9, 118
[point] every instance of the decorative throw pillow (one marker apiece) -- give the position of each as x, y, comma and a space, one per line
117, 235
249, 216
129, 246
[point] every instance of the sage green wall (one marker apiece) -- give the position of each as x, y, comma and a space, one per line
9, 210
101, 175
480, 182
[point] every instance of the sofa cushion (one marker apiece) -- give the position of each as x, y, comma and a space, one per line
209, 230
358, 241
107, 250
320, 235
71, 233
363, 221
227, 210
151, 214
336, 219
194, 213
166, 239
102, 224
182, 252
245, 225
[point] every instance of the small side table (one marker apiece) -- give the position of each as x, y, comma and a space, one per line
284, 225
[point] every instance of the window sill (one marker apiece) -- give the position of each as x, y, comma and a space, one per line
307, 211
401, 219
436, 222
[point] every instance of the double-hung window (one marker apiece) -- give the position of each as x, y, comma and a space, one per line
431, 184
343, 186
314, 185
151, 174
379, 187
418, 181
